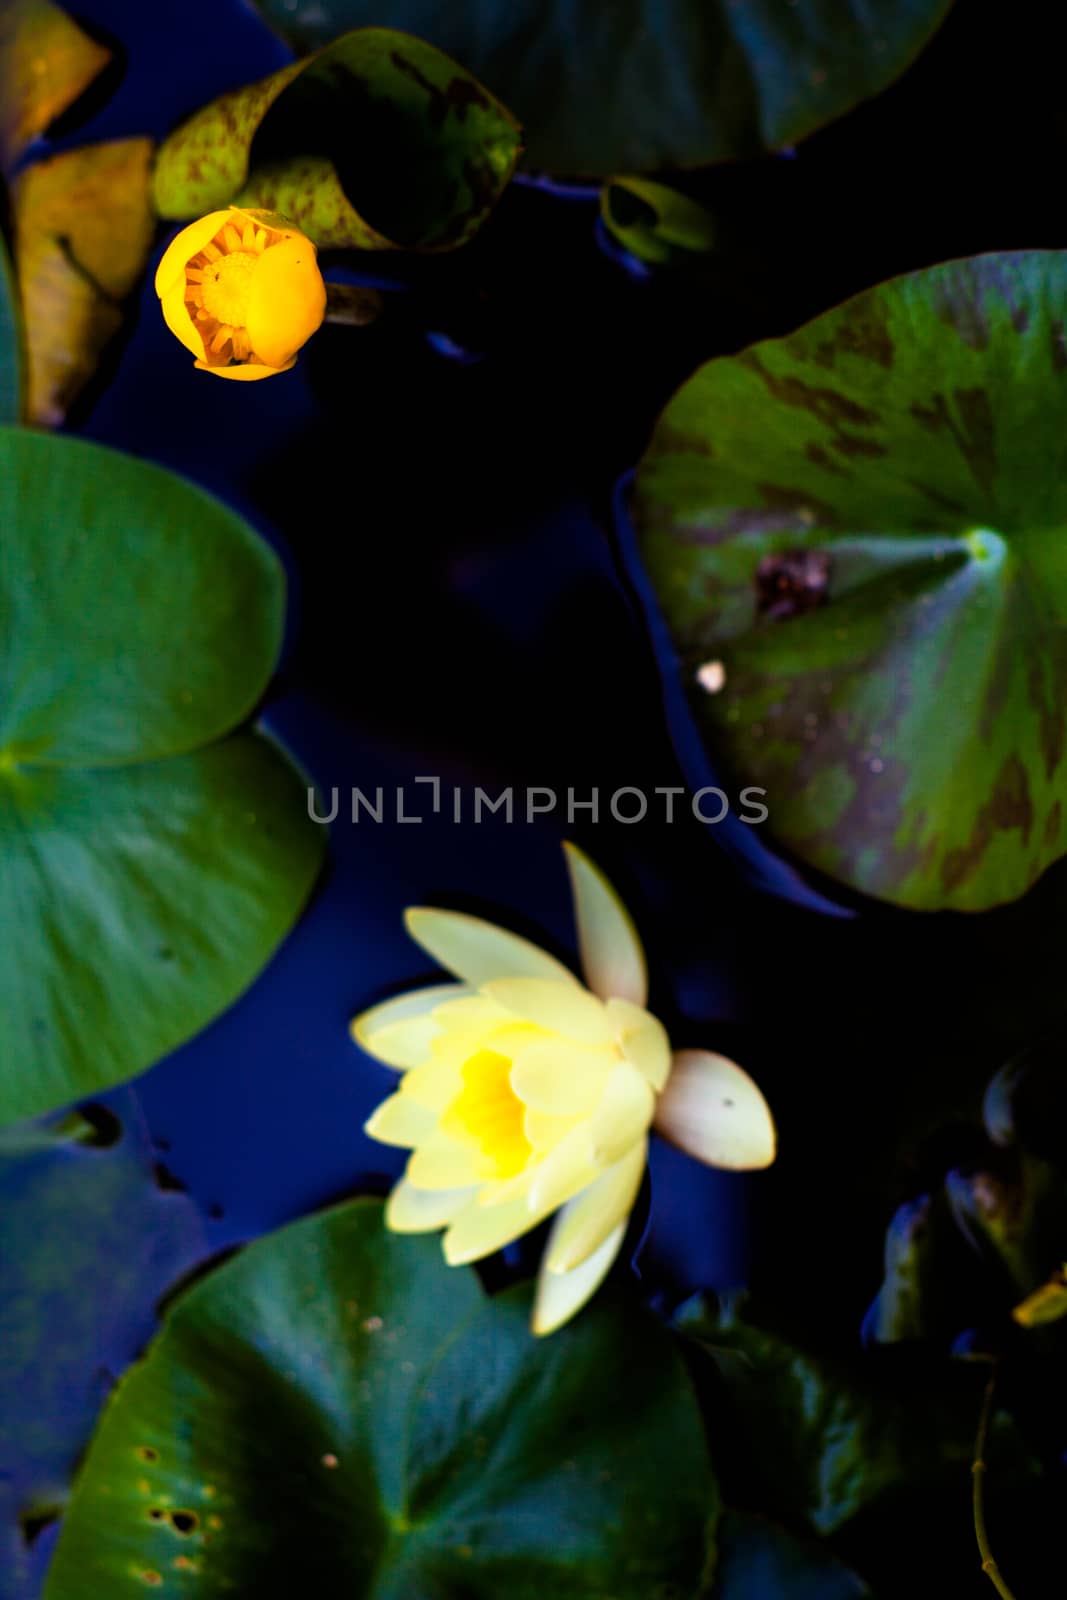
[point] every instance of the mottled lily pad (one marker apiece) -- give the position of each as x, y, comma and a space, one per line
46, 63
83, 230
337, 1411
89, 1241
379, 142
865, 525
638, 85
149, 866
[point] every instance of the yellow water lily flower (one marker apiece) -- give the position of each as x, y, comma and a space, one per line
242, 290
526, 1093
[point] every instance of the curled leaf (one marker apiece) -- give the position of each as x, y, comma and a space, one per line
656, 224
378, 142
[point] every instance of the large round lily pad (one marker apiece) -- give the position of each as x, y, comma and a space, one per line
336, 1411
640, 84
864, 525
148, 867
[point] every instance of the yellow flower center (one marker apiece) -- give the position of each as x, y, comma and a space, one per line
218, 285
227, 285
489, 1111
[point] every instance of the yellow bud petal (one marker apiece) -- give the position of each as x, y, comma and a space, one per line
184, 246
287, 300
248, 373
178, 319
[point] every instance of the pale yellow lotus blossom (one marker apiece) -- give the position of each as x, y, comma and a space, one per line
242, 290
525, 1093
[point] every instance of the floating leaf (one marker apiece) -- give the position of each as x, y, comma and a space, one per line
336, 1411
758, 1561
379, 142
817, 1443
83, 230
862, 523
654, 223
149, 869
74, 1217
11, 379
46, 62
641, 86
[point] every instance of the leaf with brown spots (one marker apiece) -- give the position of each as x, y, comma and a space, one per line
46, 63
337, 1412
83, 230
379, 142
888, 483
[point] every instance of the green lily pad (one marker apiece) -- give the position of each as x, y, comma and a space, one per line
337, 1411
149, 865
63, 1338
759, 1561
379, 142
46, 63
864, 526
640, 85
818, 1444
10, 344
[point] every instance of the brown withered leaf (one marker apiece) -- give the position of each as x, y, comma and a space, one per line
83, 230
46, 63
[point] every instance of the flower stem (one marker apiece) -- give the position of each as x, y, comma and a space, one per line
978, 1471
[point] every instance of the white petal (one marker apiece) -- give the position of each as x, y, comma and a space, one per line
623, 1115
399, 1031
477, 951
558, 1078
586, 1221
411, 1210
565, 1171
561, 1294
642, 1039
712, 1110
612, 958
564, 1008
435, 1084
480, 1230
401, 1121
441, 1163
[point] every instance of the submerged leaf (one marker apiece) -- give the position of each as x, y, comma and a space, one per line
336, 1411
46, 63
637, 85
149, 865
83, 230
64, 1337
379, 142
865, 522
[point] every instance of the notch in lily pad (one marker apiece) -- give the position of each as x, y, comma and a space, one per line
864, 522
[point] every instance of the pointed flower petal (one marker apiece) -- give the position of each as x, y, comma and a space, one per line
480, 1230
642, 1039
441, 1163
561, 1294
613, 960
402, 1121
411, 1210
713, 1110
564, 1008
399, 1031
184, 246
564, 1172
623, 1115
586, 1221
247, 372
477, 951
